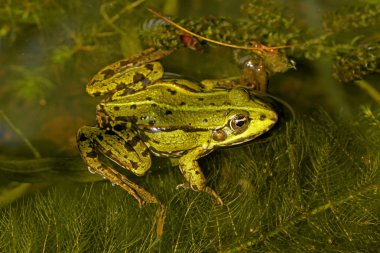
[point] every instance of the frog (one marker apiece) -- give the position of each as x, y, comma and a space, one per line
148, 113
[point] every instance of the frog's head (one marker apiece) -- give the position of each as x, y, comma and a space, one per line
247, 119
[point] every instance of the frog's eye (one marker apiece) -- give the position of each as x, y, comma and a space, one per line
239, 123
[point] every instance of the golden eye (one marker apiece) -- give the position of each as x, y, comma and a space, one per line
239, 123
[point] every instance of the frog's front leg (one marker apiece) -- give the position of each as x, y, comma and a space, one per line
193, 175
254, 77
123, 148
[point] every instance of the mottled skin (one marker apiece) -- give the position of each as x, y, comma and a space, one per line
146, 113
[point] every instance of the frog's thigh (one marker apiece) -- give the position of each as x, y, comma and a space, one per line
124, 148
118, 77
133, 73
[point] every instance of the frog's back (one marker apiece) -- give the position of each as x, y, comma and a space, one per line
172, 104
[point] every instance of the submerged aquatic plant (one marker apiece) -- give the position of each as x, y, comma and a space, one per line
314, 186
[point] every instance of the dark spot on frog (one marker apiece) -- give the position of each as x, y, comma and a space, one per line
116, 108
107, 73
145, 82
189, 124
200, 99
138, 77
144, 138
103, 122
153, 105
121, 86
145, 153
134, 140
226, 112
119, 127
100, 137
173, 92
226, 103
262, 117
204, 120
128, 91
128, 147
168, 112
133, 107
212, 104
148, 98
182, 103
149, 66
108, 153
135, 165
109, 132
82, 137
123, 63
197, 172
92, 154
96, 94
151, 123
156, 141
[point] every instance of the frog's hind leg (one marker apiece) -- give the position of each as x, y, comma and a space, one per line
92, 141
126, 150
128, 75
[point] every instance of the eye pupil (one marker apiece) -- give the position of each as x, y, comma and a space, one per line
238, 123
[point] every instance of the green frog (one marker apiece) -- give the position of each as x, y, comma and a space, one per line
147, 113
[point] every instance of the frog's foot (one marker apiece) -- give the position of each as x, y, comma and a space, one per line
185, 185
140, 194
206, 189
213, 193
160, 220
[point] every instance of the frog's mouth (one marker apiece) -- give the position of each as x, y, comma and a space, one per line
220, 136
253, 137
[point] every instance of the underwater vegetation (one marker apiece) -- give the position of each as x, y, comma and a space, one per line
311, 184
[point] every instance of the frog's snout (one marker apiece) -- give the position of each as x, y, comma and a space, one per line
273, 117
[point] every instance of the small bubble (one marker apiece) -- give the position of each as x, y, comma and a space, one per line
113, 184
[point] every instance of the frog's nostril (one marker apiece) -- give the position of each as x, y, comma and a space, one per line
273, 117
